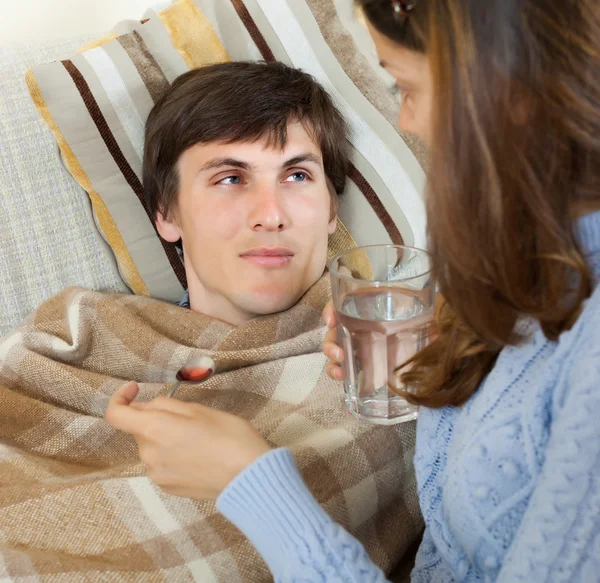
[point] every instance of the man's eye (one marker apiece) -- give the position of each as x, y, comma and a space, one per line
297, 177
230, 180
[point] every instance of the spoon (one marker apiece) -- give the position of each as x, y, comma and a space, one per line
196, 371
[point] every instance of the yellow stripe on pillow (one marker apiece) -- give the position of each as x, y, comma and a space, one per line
192, 35
107, 224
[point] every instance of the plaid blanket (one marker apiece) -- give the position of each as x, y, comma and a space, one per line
75, 503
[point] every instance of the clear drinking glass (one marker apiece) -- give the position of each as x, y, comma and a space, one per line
383, 297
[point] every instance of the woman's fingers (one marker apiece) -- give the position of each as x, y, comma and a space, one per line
335, 371
331, 336
329, 315
125, 394
119, 413
333, 351
175, 406
335, 355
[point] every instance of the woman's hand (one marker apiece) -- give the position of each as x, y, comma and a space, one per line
330, 347
189, 450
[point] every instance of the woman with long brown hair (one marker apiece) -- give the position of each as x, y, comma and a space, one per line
506, 94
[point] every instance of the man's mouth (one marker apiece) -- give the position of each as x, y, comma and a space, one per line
268, 256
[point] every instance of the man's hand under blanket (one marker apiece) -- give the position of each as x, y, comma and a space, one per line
189, 450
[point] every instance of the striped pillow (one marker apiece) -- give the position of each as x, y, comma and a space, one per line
96, 104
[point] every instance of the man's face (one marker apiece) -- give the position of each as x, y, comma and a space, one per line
254, 222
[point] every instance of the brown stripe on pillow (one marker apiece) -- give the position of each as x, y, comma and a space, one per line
254, 31
376, 205
147, 66
128, 173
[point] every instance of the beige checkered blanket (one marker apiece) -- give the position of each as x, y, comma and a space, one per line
75, 504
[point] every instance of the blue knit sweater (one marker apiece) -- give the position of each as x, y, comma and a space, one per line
509, 483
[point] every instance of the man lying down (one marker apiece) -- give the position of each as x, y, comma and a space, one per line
243, 163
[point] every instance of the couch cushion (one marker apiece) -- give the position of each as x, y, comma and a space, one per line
48, 240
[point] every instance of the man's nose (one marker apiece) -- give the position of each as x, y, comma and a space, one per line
268, 212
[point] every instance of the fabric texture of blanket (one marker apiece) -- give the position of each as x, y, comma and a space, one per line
75, 503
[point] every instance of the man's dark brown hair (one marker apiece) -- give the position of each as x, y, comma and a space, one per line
238, 102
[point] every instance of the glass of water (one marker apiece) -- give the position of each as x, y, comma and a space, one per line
383, 297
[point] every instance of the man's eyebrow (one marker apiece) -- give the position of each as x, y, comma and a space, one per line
218, 162
302, 158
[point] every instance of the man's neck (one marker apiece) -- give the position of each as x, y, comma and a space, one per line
215, 306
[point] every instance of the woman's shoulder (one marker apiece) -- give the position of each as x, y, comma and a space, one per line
586, 331
581, 378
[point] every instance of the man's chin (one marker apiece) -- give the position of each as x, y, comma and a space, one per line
271, 296
263, 304
274, 307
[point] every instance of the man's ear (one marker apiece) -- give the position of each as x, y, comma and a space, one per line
168, 229
331, 227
